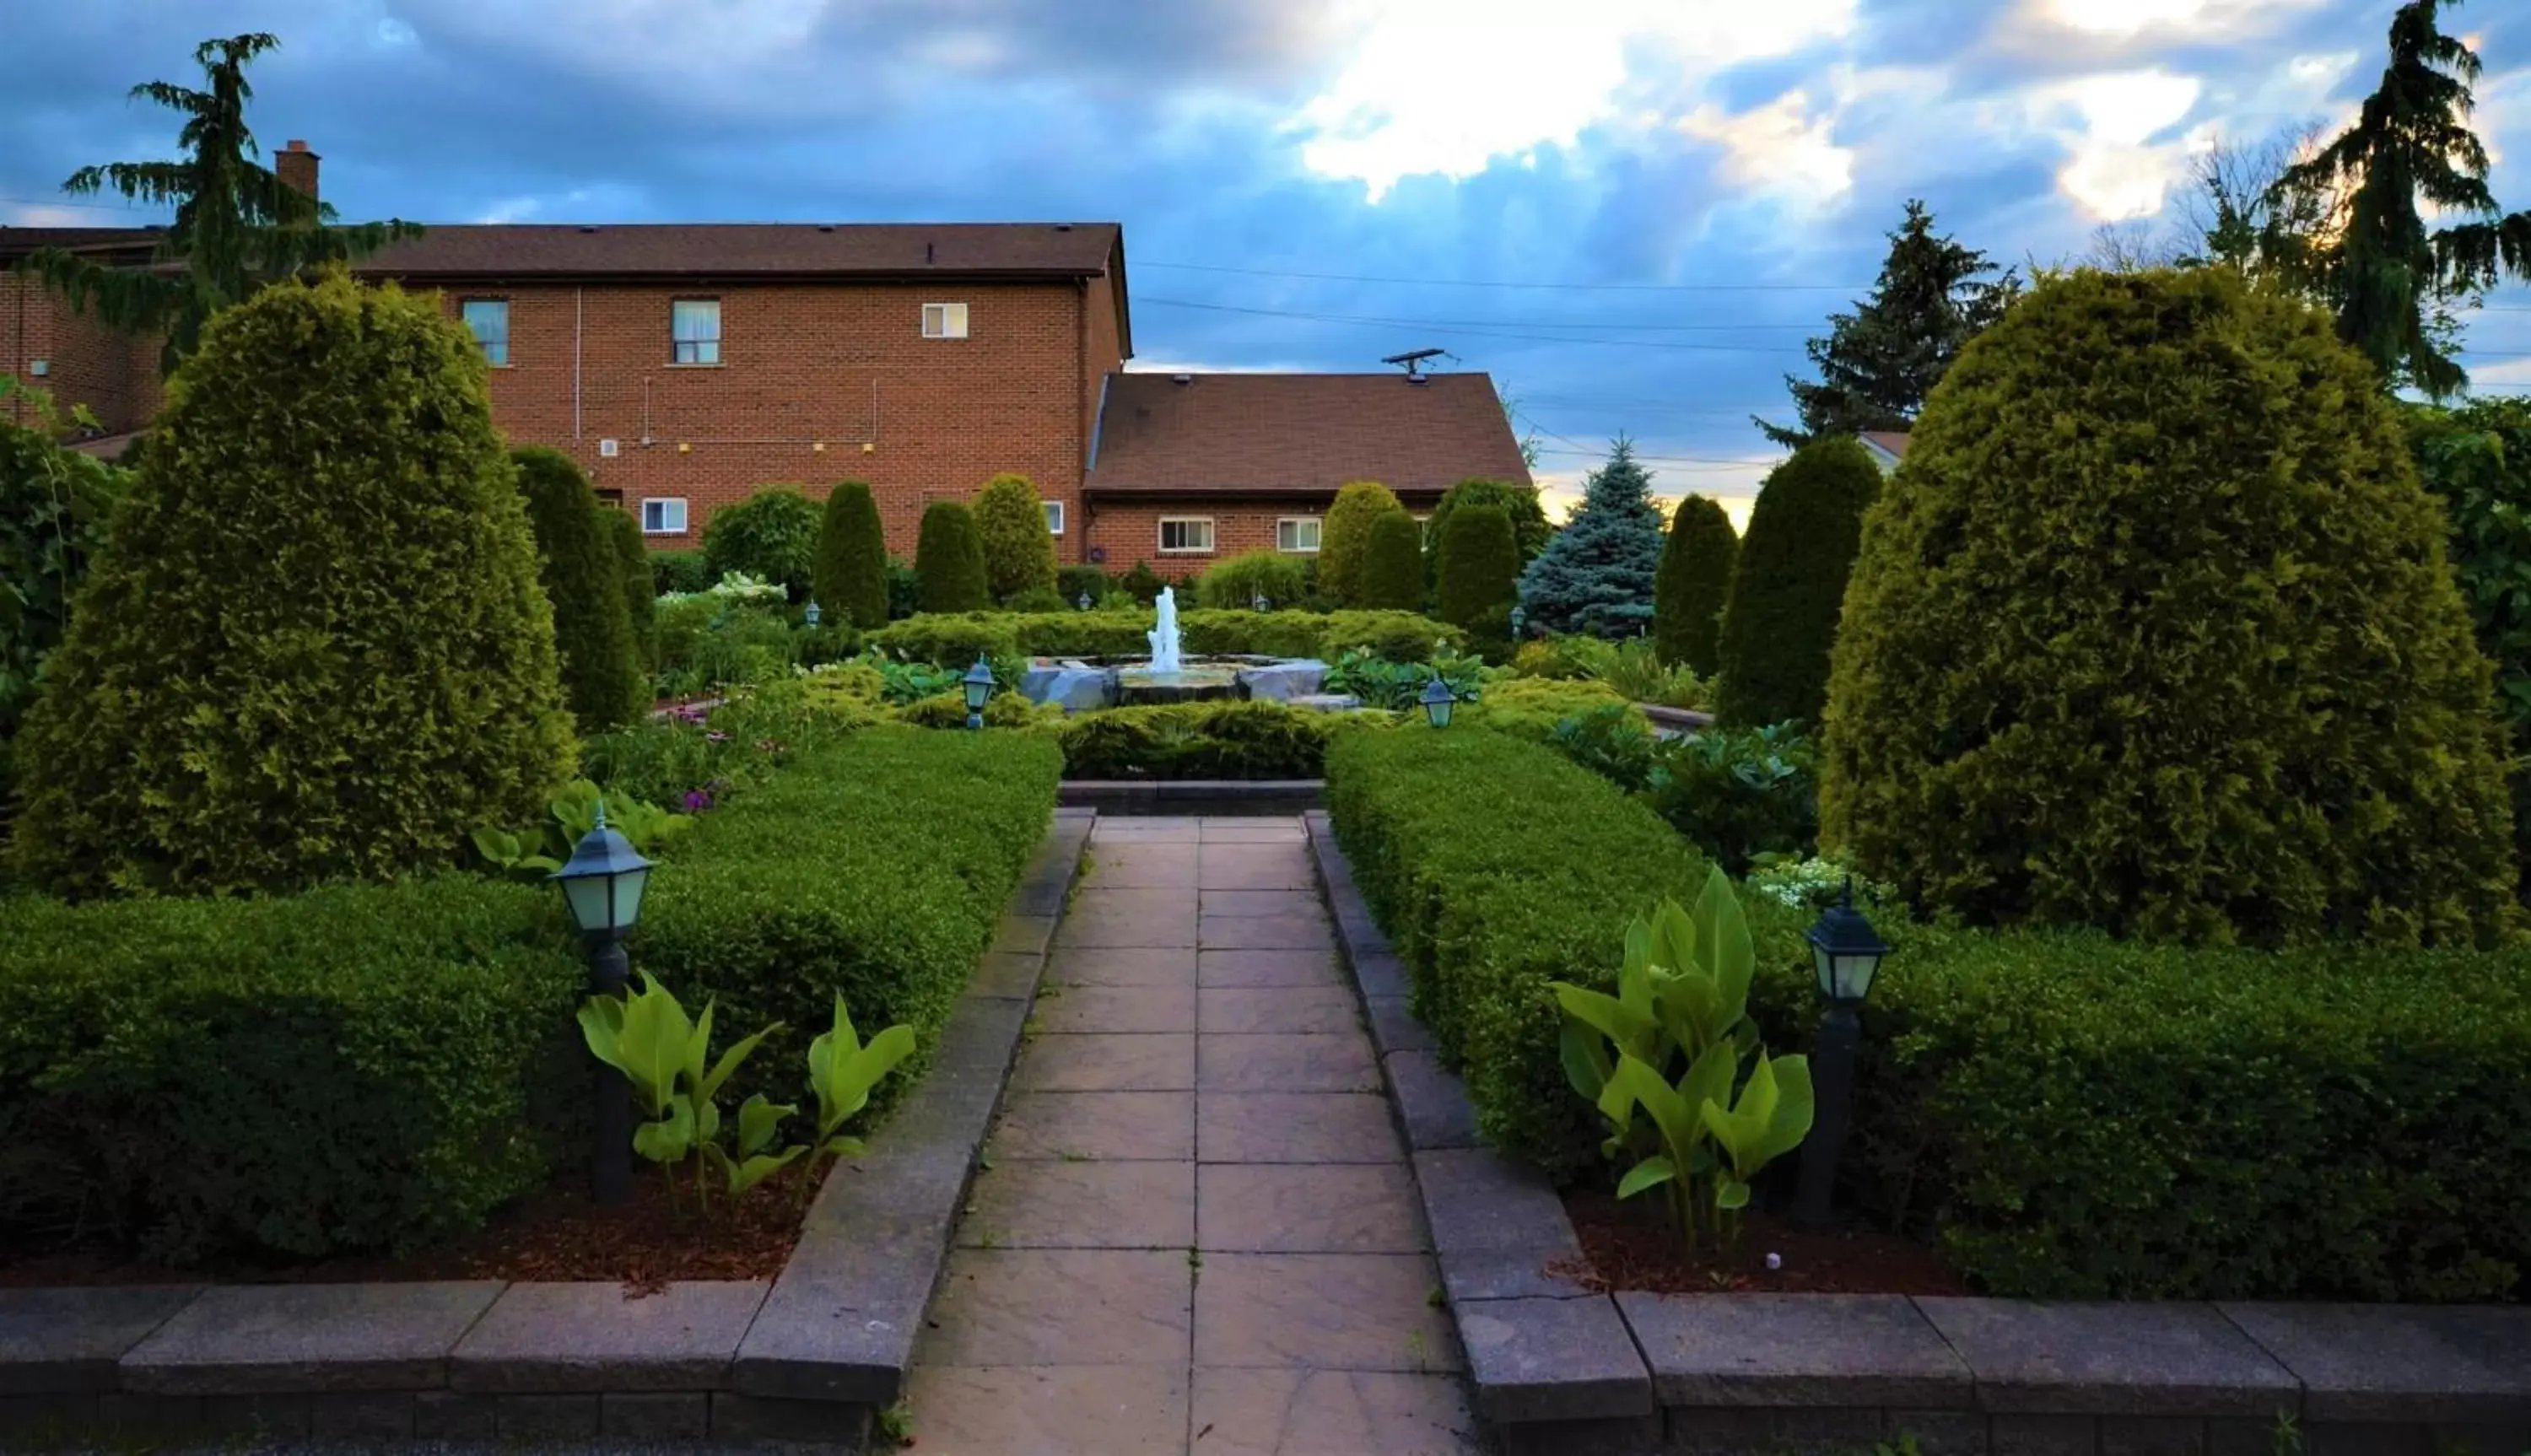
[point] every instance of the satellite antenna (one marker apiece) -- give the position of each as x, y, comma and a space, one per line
1411, 358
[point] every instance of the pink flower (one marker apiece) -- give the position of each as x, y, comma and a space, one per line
715, 736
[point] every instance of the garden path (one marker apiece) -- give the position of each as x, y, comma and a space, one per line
1196, 1233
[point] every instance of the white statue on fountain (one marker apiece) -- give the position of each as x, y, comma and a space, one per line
1165, 638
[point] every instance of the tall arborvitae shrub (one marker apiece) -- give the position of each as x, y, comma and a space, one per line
949, 561
2154, 630
772, 533
1480, 576
852, 558
1530, 528
1790, 586
641, 603
1390, 575
1345, 535
315, 646
1596, 577
1696, 565
583, 580
1018, 550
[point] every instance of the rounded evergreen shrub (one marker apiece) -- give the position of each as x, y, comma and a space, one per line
1018, 550
1480, 570
1789, 586
1390, 575
772, 533
852, 558
1530, 528
1143, 584
949, 561
640, 602
1345, 535
678, 571
583, 580
315, 646
1694, 581
1236, 584
2155, 632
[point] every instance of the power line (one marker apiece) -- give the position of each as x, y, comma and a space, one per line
1358, 321
1558, 287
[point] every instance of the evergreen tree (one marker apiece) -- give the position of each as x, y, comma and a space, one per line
1346, 533
1597, 575
772, 533
1789, 586
1878, 362
641, 600
1018, 550
1530, 528
583, 581
852, 558
238, 227
1480, 570
1390, 576
1694, 581
949, 561
2383, 271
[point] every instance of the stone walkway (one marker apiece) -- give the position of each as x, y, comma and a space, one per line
1196, 1233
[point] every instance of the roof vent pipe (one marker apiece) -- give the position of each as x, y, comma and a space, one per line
926, 253
1183, 378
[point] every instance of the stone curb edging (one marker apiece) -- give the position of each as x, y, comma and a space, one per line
811, 1354
1195, 797
1560, 1370
1675, 719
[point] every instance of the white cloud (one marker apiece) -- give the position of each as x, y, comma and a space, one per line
2116, 171
1783, 147
45, 215
2195, 19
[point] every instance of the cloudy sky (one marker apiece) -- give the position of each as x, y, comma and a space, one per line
1631, 212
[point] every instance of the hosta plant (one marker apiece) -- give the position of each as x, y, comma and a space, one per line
570, 815
1670, 1045
842, 1070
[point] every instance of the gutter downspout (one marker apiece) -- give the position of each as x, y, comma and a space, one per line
575, 364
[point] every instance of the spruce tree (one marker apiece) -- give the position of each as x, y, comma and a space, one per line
1390, 576
949, 561
1345, 534
852, 558
641, 599
583, 580
1697, 560
1479, 570
1597, 577
1018, 550
1789, 586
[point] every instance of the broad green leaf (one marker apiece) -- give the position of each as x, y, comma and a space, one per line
1651, 1173
498, 847
1617, 1020
1730, 959
670, 1139
1676, 1120
1584, 1054
847, 1147
758, 1120
709, 1084
1731, 1192
756, 1170
1794, 1109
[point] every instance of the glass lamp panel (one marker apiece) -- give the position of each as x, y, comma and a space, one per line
1825, 964
588, 898
1854, 974
628, 897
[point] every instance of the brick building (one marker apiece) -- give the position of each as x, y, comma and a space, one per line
686, 365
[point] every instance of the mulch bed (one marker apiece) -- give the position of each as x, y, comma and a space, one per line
556, 1234
1628, 1246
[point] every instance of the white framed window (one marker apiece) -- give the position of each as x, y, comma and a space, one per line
490, 319
1185, 536
944, 321
1053, 517
663, 515
1298, 534
694, 332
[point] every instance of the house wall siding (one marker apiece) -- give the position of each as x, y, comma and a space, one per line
1132, 533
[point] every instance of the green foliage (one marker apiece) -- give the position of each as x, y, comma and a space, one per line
1235, 584
1344, 539
538, 851
852, 558
1004, 710
949, 561
876, 868
1479, 571
309, 650
1018, 550
2155, 632
1399, 686
1499, 868
357, 1069
1143, 584
54, 506
584, 582
772, 533
1390, 577
1613, 741
904, 589
679, 571
1632, 666
1038, 599
945, 638
1595, 578
1519, 504
1738, 794
1694, 581
1196, 740
712, 644
1071, 583
665, 1059
1789, 587
1533, 708
641, 595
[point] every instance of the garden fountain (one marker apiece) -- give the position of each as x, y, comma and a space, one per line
1168, 675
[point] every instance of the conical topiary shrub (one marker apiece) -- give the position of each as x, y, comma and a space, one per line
1694, 581
1345, 535
583, 580
315, 646
1789, 586
641, 603
1018, 550
949, 561
1530, 528
2155, 632
1390, 573
852, 558
1479, 570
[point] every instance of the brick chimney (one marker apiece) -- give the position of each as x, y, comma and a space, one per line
296, 166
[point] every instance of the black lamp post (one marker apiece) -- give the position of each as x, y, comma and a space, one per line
979, 683
1845, 951
812, 616
1259, 603
1439, 701
602, 884
1083, 600
1519, 623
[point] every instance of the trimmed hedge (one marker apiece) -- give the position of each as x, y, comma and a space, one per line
1694, 581
772, 533
1234, 585
1479, 570
948, 638
1788, 588
852, 558
603, 677
1390, 573
353, 1069
641, 597
1531, 531
1344, 538
1018, 550
1197, 740
949, 561
678, 571
877, 868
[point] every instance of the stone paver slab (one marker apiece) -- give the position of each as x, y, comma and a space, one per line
1333, 1413
1096, 900
1119, 864
1295, 1128
287, 1337
1023, 934
1001, 975
1116, 1410
1162, 1061
1114, 966
1268, 968
57, 1340
1363, 1312
1795, 1349
589, 1337
2111, 1359
2399, 1363
1112, 926
1288, 1008
1308, 1208
1259, 830
1067, 1306
1255, 866
1157, 1125
1553, 1359
1119, 1008
1176, 828
1237, 904
1479, 1200
1303, 931
1036, 1203
1289, 1061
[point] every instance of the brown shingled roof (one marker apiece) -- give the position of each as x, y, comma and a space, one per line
1230, 434
722, 250
17, 242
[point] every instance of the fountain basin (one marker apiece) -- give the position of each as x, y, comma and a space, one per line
1086, 685
1192, 682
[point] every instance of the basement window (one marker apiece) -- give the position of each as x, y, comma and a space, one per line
694, 329
663, 515
490, 319
1185, 536
1053, 517
944, 321
1298, 534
